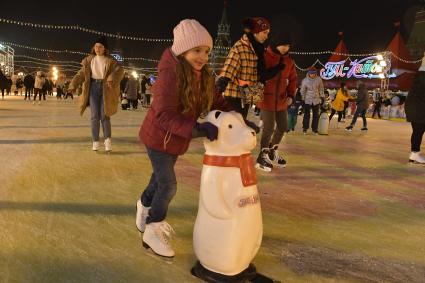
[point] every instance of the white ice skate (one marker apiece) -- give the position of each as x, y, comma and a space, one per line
108, 145
95, 146
141, 215
156, 237
416, 158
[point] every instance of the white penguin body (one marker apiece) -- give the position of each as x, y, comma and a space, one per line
323, 126
228, 228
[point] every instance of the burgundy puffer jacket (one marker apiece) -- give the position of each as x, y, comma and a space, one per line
165, 128
281, 86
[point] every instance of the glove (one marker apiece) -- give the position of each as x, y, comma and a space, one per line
252, 125
221, 84
207, 129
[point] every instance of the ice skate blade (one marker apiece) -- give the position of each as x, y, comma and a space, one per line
414, 162
263, 168
146, 246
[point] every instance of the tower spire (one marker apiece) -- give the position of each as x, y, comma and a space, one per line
222, 42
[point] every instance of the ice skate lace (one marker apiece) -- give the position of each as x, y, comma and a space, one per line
166, 232
277, 156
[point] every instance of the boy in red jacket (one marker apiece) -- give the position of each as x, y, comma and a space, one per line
279, 93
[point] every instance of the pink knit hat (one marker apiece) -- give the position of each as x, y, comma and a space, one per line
189, 34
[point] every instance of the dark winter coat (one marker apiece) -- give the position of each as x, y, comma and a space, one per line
29, 81
283, 85
3, 81
415, 101
165, 128
131, 88
362, 100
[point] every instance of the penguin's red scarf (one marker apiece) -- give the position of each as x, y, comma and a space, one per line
244, 162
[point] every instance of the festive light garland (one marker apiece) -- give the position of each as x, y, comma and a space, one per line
42, 49
212, 63
405, 61
331, 52
44, 68
73, 52
78, 28
57, 63
44, 60
44, 64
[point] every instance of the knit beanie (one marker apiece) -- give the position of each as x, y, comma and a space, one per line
280, 38
422, 67
102, 40
312, 70
189, 34
260, 24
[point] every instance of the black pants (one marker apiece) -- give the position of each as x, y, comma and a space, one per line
306, 119
344, 112
133, 103
28, 92
69, 94
377, 109
361, 113
39, 92
237, 105
333, 111
148, 99
417, 134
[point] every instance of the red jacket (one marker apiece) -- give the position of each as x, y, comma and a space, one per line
281, 86
165, 128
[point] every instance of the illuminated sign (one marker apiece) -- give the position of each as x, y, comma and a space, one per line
367, 68
117, 57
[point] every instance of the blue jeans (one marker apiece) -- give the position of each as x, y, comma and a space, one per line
98, 112
162, 186
358, 113
306, 119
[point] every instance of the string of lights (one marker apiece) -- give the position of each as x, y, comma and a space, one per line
155, 61
43, 68
331, 52
406, 61
74, 52
44, 64
83, 29
44, 60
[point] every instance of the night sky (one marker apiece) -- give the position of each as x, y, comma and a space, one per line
367, 25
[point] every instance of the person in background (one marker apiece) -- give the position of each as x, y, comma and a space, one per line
29, 86
148, 94
377, 102
131, 90
361, 107
338, 104
313, 96
3, 82
415, 114
38, 86
19, 85
101, 76
293, 111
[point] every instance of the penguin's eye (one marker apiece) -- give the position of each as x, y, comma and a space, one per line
230, 126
